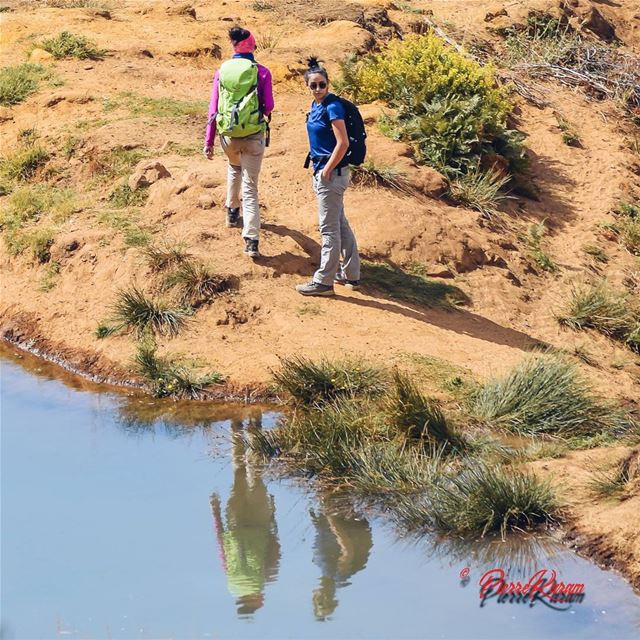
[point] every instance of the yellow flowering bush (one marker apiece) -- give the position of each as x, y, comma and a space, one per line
449, 106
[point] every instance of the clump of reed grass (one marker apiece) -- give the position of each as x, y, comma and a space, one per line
484, 499
71, 45
479, 190
169, 377
373, 174
609, 312
134, 310
311, 383
17, 83
166, 255
544, 394
418, 418
196, 284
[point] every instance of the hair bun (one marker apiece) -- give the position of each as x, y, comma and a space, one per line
313, 62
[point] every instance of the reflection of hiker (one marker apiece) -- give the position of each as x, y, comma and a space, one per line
341, 549
241, 99
249, 542
329, 143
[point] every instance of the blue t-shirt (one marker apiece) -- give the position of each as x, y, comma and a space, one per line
322, 140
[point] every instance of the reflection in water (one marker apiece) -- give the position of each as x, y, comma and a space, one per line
248, 542
341, 549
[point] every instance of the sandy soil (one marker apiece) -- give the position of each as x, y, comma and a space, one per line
158, 52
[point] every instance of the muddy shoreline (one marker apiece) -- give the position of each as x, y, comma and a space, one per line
98, 370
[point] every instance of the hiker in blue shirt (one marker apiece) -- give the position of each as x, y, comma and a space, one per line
329, 143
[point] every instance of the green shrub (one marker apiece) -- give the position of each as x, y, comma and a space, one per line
449, 107
544, 394
479, 190
70, 45
311, 383
169, 377
134, 310
196, 284
19, 82
607, 311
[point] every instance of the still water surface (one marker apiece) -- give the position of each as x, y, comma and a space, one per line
124, 517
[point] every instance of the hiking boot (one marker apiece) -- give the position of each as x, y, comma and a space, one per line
315, 289
233, 217
354, 285
251, 248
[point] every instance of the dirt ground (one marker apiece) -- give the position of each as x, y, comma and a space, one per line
166, 50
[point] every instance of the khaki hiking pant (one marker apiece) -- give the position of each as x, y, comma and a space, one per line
339, 254
245, 159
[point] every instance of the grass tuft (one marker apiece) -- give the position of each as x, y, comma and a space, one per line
196, 284
533, 239
413, 288
19, 82
169, 377
134, 310
161, 257
311, 383
544, 394
614, 482
71, 45
628, 226
372, 174
607, 311
417, 418
122, 196
21, 165
480, 190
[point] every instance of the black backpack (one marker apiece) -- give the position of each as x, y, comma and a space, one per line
355, 131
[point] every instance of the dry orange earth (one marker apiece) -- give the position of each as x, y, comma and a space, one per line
512, 299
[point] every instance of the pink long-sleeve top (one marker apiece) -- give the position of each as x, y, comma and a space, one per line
265, 98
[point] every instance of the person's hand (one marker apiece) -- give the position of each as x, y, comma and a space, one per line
208, 152
326, 175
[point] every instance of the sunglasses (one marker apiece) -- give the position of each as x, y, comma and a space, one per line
317, 85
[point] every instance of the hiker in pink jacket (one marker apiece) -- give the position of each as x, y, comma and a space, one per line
241, 103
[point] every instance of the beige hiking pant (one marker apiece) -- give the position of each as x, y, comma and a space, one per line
245, 159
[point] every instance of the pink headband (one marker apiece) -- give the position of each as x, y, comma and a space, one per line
248, 45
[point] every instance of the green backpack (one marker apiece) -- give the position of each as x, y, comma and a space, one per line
238, 106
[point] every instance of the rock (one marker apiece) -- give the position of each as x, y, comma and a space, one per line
206, 202
5, 114
439, 271
146, 173
429, 182
465, 253
101, 13
40, 55
78, 97
599, 25
70, 247
145, 53
207, 181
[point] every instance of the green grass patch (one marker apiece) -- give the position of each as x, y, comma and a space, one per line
545, 394
123, 196
196, 284
17, 83
413, 288
170, 377
454, 381
22, 164
627, 225
597, 253
166, 255
311, 383
134, 310
71, 45
610, 312
139, 105
35, 241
